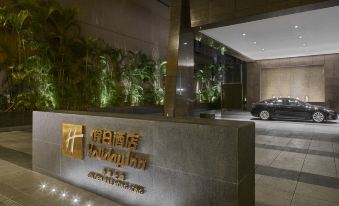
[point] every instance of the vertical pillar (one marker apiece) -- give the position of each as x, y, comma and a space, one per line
184, 87
180, 67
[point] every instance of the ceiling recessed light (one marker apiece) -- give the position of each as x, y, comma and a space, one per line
254, 42
300, 37
262, 49
243, 34
185, 43
296, 26
304, 44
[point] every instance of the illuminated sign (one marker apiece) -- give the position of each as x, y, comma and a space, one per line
72, 141
116, 147
103, 147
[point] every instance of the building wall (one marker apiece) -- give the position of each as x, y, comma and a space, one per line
306, 83
209, 12
141, 25
331, 73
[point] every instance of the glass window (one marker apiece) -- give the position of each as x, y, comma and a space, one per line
278, 102
267, 101
292, 102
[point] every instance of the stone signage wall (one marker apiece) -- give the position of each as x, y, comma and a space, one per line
148, 161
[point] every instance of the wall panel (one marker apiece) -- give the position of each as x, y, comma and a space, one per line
127, 24
215, 11
331, 75
299, 82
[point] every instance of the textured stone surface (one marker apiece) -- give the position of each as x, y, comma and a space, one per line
329, 62
294, 82
191, 161
127, 24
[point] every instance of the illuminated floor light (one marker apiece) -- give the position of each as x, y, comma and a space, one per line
75, 200
63, 195
89, 203
53, 190
43, 186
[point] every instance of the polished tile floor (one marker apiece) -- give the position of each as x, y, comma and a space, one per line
297, 164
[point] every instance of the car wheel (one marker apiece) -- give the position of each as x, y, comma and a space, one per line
318, 117
264, 115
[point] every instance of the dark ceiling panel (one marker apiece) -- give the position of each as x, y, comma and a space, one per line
165, 2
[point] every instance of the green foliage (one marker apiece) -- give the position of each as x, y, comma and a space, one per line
137, 78
55, 67
207, 88
159, 79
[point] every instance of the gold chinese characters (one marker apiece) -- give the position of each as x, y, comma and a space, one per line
116, 139
102, 142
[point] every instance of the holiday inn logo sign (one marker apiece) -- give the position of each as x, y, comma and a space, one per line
72, 141
115, 147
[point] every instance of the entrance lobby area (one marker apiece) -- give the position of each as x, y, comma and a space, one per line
297, 163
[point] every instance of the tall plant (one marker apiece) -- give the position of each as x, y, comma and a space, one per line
136, 75
55, 67
207, 87
159, 75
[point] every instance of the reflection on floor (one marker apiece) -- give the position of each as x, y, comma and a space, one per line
297, 163
20, 186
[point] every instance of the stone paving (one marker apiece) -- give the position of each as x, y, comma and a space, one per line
20, 186
297, 163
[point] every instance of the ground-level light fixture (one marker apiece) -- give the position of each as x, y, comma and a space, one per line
63, 195
43, 186
89, 203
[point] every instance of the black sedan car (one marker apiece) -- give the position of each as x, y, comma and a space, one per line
290, 108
